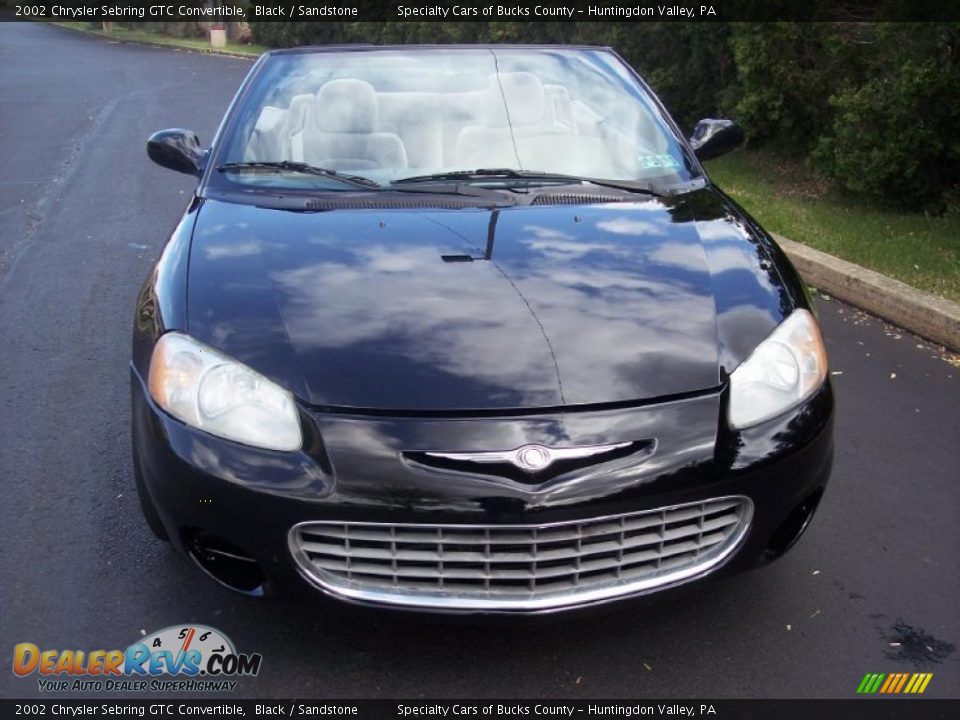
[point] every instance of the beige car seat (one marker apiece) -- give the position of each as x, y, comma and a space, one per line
343, 132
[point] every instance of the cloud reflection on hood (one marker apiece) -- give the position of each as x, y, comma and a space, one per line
614, 326
387, 309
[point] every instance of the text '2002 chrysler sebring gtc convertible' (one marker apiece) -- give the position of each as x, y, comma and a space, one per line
468, 329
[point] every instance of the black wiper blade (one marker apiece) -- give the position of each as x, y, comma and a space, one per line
301, 167
511, 174
632, 186
430, 187
480, 173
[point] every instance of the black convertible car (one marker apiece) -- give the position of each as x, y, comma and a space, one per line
469, 329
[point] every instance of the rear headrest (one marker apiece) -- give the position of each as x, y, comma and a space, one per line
299, 112
347, 106
557, 105
523, 93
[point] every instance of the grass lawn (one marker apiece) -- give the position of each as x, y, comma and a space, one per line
121, 33
787, 198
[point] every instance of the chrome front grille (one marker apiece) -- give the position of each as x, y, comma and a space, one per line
519, 567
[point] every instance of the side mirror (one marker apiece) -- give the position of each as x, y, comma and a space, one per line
177, 150
713, 138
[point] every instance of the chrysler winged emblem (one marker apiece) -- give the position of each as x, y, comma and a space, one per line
531, 458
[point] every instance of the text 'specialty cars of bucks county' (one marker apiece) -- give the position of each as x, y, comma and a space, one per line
469, 329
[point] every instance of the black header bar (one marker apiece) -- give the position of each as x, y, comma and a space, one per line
476, 11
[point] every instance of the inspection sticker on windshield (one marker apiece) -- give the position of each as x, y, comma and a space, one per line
650, 162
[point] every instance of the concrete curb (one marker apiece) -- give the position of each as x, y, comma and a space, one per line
927, 315
151, 43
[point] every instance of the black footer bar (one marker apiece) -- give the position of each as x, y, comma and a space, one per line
467, 709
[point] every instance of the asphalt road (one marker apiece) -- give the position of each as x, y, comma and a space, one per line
83, 214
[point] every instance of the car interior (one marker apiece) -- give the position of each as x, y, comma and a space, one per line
516, 121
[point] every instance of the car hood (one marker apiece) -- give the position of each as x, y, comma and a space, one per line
523, 307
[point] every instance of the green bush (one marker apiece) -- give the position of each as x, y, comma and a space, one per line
772, 92
894, 137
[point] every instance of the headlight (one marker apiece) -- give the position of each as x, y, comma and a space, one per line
208, 390
784, 370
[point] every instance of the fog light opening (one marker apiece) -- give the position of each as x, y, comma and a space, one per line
794, 526
226, 564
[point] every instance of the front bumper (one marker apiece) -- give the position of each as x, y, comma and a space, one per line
359, 469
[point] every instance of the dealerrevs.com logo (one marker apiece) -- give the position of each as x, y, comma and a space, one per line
189, 658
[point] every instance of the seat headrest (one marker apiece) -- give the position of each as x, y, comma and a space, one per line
523, 93
347, 106
299, 112
557, 105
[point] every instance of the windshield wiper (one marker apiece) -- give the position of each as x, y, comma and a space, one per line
301, 167
481, 174
439, 187
478, 174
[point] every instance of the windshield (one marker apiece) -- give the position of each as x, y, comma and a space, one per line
391, 114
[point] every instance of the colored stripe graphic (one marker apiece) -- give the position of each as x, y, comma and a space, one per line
903, 681
870, 683
894, 683
918, 683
